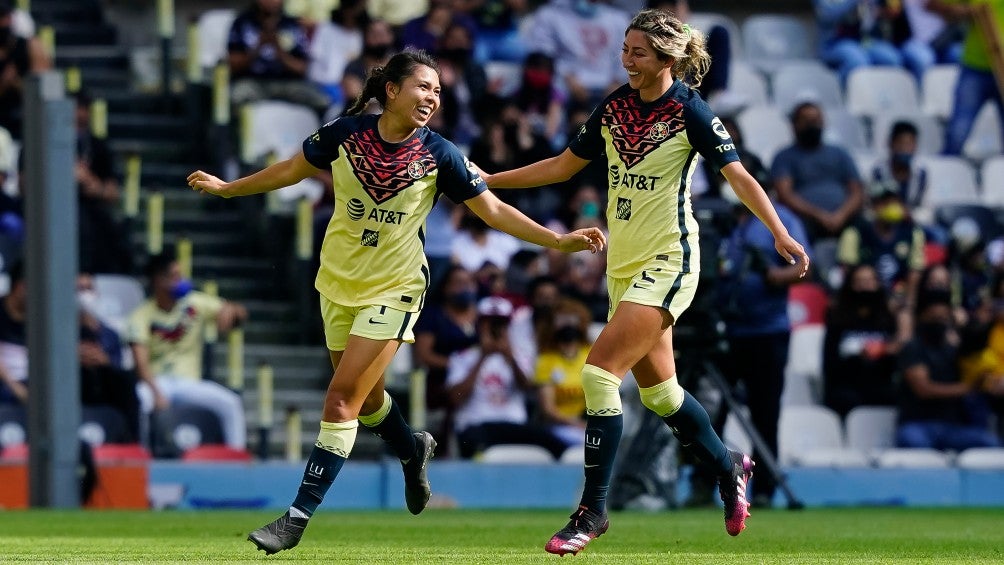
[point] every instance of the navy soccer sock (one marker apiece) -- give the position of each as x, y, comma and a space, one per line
692, 426
333, 446
389, 425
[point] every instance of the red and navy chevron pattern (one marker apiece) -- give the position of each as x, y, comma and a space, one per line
637, 131
384, 173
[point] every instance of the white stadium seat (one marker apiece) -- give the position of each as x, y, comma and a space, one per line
518, 454
873, 91
574, 455
837, 457
704, 21
734, 435
950, 180
844, 129
213, 28
913, 459
769, 38
747, 87
871, 427
273, 126
766, 131
983, 458
798, 81
930, 133
504, 76
985, 138
118, 296
992, 182
803, 373
938, 90
804, 428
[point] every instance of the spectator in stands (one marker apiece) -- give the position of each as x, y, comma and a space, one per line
446, 327
756, 314
901, 168
819, 182
18, 58
888, 240
427, 31
13, 340
541, 103
851, 37
976, 83
718, 45
861, 344
335, 43
103, 379
166, 334
104, 243
477, 244
487, 385
268, 57
931, 39
396, 12
584, 37
982, 362
936, 408
464, 84
537, 318
564, 349
497, 37
378, 47
11, 208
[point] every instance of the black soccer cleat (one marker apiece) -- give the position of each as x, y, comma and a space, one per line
585, 526
283, 533
417, 490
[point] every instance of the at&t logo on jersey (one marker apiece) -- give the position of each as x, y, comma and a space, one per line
355, 209
631, 180
416, 169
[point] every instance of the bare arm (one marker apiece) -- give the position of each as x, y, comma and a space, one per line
855, 199
460, 392
141, 356
17, 388
753, 196
283, 173
231, 315
919, 379
426, 355
504, 217
549, 171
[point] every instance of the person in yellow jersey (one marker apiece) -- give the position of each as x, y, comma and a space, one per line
564, 347
388, 171
976, 84
649, 131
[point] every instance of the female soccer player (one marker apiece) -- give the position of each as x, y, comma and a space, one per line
650, 131
389, 169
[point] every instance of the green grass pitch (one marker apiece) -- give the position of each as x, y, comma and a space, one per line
837, 536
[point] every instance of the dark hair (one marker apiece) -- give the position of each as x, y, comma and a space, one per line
841, 313
537, 282
159, 264
339, 14
900, 128
5, 8
398, 68
438, 295
800, 107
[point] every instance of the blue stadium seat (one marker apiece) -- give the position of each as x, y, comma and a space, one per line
103, 424
770, 38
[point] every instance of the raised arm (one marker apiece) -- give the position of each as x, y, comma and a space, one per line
504, 217
549, 171
278, 175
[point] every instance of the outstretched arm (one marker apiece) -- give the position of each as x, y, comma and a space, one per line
504, 217
549, 171
754, 197
283, 173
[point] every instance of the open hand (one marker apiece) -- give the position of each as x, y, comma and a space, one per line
205, 182
793, 252
583, 239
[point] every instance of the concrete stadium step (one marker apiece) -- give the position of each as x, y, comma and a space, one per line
205, 266
147, 126
153, 150
222, 244
80, 11
292, 356
269, 332
160, 174
72, 33
88, 57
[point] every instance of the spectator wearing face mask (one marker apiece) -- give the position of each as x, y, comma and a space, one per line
167, 333
819, 182
378, 47
564, 349
900, 169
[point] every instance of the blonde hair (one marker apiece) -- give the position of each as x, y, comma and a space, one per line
674, 39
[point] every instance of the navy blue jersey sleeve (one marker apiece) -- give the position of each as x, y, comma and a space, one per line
708, 135
588, 142
457, 178
321, 148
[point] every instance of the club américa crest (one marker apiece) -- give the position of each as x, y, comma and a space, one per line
416, 169
659, 131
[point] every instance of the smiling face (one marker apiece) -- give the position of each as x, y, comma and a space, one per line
648, 71
416, 99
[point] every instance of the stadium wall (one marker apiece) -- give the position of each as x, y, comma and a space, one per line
462, 484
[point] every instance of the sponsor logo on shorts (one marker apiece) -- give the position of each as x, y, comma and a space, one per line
370, 238
376, 322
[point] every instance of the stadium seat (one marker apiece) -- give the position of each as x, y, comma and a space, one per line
798, 81
807, 304
837, 457
504, 76
899, 458
950, 180
871, 427
804, 428
118, 296
102, 424
873, 91
213, 29
273, 126
111, 452
184, 427
938, 90
514, 453
992, 179
844, 129
804, 372
930, 137
575, 455
13, 426
747, 87
983, 458
984, 218
770, 38
734, 435
216, 453
704, 21
15, 452
984, 140
766, 131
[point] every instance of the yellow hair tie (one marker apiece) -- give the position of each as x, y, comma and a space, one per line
686, 28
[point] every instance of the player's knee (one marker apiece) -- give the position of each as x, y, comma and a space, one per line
664, 398
602, 391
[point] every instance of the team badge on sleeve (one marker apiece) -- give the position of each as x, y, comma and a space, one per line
719, 128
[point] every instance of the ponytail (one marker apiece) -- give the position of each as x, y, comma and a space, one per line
372, 88
674, 39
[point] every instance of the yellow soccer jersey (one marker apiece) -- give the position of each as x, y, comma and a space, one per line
373, 250
565, 375
651, 151
175, 337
